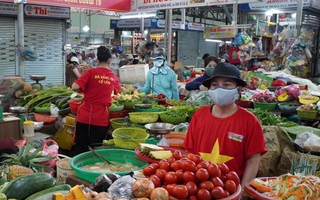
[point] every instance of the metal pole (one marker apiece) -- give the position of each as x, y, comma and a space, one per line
299, 16
166, 29
20, 38
169, 46
142, 25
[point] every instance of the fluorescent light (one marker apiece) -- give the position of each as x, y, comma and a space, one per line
86, 28
138, 15
212, 40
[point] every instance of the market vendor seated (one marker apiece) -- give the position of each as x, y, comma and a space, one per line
196, 84
161, 79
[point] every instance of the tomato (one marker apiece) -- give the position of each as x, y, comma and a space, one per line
208, 185
189, 176
203, 194
162, 161
171, 160
160, 173
226, 193
192, 188
214, 170
180, 191
177, 154
223, 178
217, 193
230, 186
179, 174
202, 175
148, 171
165, 165
170, 187
171, 177
193, 197
195, 158
176, 165
156, 180
203, 164
232, 175
188, 165
217, 182
155, 165
223, 168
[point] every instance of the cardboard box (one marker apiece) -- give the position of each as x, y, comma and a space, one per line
177, 65
133, 73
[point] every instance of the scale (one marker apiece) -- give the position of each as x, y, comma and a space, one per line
37, 78
158, 129
18, 110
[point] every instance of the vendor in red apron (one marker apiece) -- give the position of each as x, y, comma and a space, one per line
97, 84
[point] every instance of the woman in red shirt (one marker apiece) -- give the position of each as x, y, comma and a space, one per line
97, 84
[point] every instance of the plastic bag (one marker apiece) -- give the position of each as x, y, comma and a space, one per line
101, 183
199, 98
54, 110
50, 148
122, 188
65, 137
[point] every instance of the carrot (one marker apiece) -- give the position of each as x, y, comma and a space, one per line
261, 188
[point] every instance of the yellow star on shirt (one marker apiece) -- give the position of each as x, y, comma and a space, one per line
215, 155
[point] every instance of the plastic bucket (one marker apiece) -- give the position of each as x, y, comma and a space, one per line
64, 170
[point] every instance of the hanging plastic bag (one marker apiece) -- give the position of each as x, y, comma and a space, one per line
199, 98
50, 148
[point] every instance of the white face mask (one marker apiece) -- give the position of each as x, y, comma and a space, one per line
158, 63
223, 97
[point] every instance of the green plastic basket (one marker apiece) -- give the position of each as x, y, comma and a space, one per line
307, 114
129, 137
116, 109
128, 105
265, 106
115, 155
143, 117
173, 120
119, 123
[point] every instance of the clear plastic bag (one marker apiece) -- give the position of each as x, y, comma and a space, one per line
199, 98
122, 188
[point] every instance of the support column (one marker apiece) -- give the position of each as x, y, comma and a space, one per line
20, 38
169, 38
299, 16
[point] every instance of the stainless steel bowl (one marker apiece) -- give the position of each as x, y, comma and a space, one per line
37, 77
17, 109
159, 128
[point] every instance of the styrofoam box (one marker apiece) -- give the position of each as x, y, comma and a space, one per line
133, 73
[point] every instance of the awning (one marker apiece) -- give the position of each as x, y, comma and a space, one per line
111, 5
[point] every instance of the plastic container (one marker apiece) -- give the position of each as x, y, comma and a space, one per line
129, 137
116, 109
307, 114
113, 155
173, 120
74, 105
308, 99
143, 117
265, 106
122, 113
129, 105
47, 119
287, 107
244, 103
119, 123
64, 170
28, 128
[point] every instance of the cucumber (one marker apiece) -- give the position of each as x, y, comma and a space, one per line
64, 111
38, 195
65, 105
62, 101
26, 185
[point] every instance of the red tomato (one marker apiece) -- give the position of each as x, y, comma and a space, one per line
160, 173
177, 154
223, 178
171, 160
223, 168
180, 191
203, 164
232, 175
156, 180
179, 174
217, 193
217, 182
148, 171
189, 176
226, 193
176, 165
203, 194
155, 165
170, 187
188, 165
171, 177
193, 197
165, 165
230, 186
208, 185
192, 188
195, 158
202, 175
214, 170
162, 161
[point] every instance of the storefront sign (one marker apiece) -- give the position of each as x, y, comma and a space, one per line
194, 26
217, 32
8, 8
112, 5
129, 23
46, 11
273, 4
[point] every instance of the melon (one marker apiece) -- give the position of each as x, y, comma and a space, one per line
27, 88
37, 86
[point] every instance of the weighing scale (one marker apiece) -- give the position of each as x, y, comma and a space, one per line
158, 129
37, 78
18, 110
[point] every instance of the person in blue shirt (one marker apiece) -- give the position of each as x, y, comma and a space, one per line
210, 62
161, 79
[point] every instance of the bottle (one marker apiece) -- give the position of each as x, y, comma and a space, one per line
28, 128
1, 113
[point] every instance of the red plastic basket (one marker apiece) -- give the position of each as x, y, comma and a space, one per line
47, 119
119, 114
74, 105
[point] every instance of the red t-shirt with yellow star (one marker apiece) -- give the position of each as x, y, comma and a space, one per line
97, 84
229, 140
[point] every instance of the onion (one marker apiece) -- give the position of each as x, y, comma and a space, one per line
142, 188
159, 193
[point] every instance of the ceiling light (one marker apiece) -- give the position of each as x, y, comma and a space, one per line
211, 40
86, 28
138, 15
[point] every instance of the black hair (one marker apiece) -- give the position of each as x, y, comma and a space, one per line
104, 54
205, 56
209, 59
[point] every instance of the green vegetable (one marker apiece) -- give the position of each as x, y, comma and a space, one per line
62, 102
3, 196
38, 195
64, 111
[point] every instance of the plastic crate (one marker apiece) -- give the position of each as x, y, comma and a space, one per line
307, 114
265, 106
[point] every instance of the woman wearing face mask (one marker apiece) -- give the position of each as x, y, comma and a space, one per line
225, 132
210, 62
161, 79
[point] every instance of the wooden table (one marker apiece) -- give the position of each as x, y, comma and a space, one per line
10, 126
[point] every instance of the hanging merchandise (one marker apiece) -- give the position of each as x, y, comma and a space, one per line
238, 39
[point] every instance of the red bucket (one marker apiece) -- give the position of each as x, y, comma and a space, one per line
74, 105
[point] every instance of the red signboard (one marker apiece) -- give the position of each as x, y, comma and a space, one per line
111, 5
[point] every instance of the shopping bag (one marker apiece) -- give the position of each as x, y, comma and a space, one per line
65, 137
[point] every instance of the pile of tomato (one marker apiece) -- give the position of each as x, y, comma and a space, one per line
190, 177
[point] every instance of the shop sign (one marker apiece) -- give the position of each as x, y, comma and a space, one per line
112, 5
161, 23
8, 8
273, 4
129, 23
194, 26
46, 11
217, 32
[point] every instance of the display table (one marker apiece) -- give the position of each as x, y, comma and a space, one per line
10, 127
